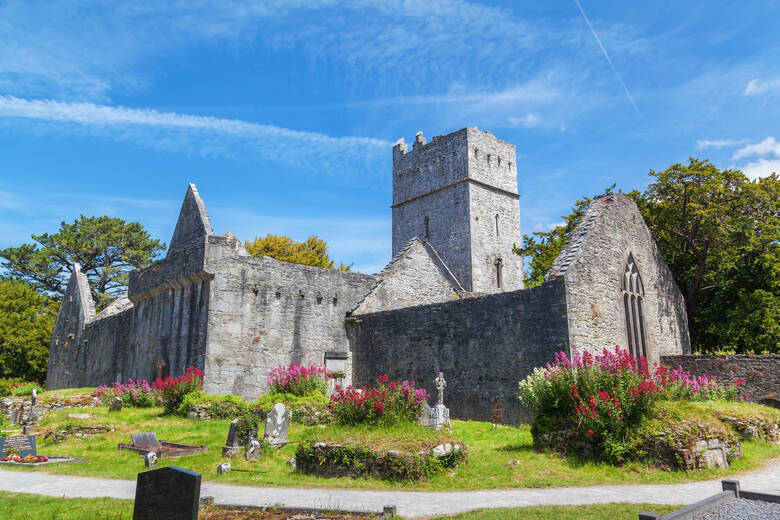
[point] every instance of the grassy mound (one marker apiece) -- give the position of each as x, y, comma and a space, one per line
398, 452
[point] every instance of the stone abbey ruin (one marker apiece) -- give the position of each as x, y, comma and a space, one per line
451, 300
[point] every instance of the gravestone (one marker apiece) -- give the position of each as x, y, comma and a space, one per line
440, 414
150, 460
231, 447
276, 425
253, 448
24, 444
424, 419
171, 493
33, 417
115, 405
14, 416
223, 468
147, 440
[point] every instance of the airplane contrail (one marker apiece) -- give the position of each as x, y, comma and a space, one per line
606, 55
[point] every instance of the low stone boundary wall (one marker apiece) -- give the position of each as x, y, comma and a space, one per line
761, 373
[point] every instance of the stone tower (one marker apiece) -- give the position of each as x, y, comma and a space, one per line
459, 194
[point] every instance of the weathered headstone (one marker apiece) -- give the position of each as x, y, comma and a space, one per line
440, 414
223, 468
14, 415
253, 448
171, 493
150, 459
231, 447
115, 405
424, 419
276, 425
23, 444
146, 440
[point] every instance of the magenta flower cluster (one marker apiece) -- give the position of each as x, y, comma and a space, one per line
133, 393
297, 379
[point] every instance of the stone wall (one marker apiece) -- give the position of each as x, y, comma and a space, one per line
484, 346
265, 313
761, 373
495, 230
593, 263
447, 212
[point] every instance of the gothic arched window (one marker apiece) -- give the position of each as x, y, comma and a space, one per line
633, 294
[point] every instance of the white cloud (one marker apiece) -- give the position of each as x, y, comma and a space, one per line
768, 146
719, 143
761, 168
756, 86
201, 135
768, 162
528, 120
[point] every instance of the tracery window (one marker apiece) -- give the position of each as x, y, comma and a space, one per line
633, 294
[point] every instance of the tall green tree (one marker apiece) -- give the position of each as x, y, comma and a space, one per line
107, 248
313, 251
26, 321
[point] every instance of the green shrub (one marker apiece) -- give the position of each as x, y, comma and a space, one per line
599, 400
7, 384
26, 389
225, 406
306, 409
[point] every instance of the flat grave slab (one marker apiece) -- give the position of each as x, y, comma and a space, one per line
144, 443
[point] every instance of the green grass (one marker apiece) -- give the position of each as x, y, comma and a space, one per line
22, 506
590, 512
66, 392
490, 453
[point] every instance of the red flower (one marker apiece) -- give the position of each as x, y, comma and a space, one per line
590, 433
739, 382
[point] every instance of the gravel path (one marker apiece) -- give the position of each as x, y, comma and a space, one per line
410, 504
742, 509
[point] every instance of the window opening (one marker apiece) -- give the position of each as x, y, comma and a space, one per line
499, 267
427, 231
496, 224
633, 293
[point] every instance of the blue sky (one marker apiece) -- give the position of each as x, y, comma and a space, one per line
284, 112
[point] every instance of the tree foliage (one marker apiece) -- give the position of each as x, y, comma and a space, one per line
107, 248
314, 251
720, 235
26, 321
